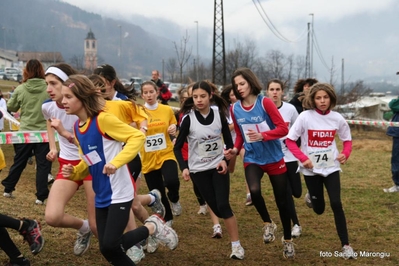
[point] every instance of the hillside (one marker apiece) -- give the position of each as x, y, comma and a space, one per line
50, 25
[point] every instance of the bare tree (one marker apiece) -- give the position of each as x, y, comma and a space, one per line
290, 66
300, 64
332, 72
242, 55
172, 68
77, 62
275, 63
355, 91
183, 54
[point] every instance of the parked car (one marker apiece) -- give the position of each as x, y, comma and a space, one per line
173, 88
3, 75
137, 82
125, 82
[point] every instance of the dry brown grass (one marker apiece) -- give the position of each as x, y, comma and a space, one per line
371, 216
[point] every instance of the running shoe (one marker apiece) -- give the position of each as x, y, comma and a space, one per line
176, 208
347, 252
136, 254
296, 231
237, 253
288, 248
308, 201
203, 209
169, 223
392, 189
82, 243
8, 195
152, 244
33, 236
39, 202
163, 233
217, 231
157, 206
248, 202
50, 179
268, 232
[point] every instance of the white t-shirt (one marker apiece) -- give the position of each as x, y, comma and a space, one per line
317, 133
289, 114
3, 104
50, 109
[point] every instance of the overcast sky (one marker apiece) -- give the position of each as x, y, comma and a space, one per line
369, 48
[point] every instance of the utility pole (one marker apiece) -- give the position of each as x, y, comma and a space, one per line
120, 49
163, 67
342, 77
218, 60
5, 46
307, 63
53, 46
197, 54
311, 51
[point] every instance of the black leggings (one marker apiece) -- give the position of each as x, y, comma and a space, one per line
215, 190
167, 176
22, 154
6, 242
200, 199
333, 186
294, 188
111, 222
253, 175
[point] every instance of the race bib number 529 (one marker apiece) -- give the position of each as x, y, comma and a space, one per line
155, 142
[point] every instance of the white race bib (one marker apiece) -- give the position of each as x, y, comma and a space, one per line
210, 147
259, 128
322, 158
155, 142
91, 158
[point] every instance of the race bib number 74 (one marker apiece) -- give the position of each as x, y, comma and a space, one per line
322, 158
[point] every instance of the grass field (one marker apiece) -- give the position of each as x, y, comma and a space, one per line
371, 217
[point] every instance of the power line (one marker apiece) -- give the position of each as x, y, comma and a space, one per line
318, 51
279, 35
273, 28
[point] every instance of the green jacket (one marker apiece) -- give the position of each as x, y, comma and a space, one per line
29, 97
394, 105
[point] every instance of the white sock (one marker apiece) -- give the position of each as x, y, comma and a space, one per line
216, 225
235, 243
85, 227
152, 199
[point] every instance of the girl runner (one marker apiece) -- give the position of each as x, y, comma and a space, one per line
319, 156
203, 128
100, 136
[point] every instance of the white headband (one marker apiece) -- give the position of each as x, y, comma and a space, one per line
58, 72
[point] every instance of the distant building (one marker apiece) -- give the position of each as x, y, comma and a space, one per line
47, 58
7, 58
90, 48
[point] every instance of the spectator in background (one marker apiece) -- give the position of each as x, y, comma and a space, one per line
29, 97
164, 93
114, 89
301, 88
3, 105
394, 133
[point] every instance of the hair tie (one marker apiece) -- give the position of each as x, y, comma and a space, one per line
71, 85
